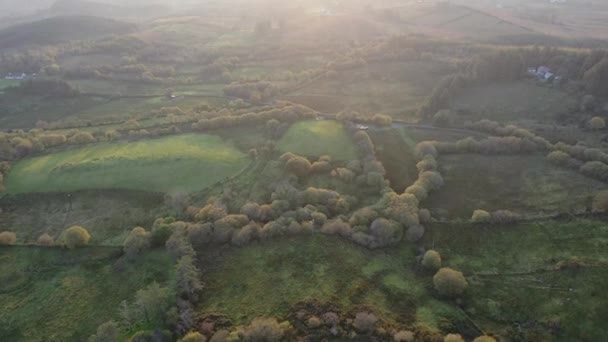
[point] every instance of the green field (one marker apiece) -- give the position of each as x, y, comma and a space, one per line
510, 270
59, 295
524, 184
316, 138
517, 284
270, 278
395, 150
183, 163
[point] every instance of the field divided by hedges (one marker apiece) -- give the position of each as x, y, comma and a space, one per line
183, 163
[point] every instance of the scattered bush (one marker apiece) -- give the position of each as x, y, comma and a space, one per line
597, 123
484, 339
481, 216
76, 236
431, 260
365, 322
45, 240
313, 322
453, 338
449, 282
7, 238
193, 336
404, 336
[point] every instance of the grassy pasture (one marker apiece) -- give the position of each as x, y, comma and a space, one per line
269, 278
178, 163
514, 102
60, 295
525, 184
316, 138
108, 215
396, 88
515, 291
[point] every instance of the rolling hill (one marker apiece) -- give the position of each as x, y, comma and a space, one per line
61, 29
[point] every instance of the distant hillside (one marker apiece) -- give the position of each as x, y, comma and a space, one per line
105, 9
61, 29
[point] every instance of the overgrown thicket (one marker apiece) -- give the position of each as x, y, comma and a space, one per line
18, 144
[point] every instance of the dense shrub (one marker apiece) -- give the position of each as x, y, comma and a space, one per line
76, 236
136, 242
382, 120
252, 210
595, 169
320, 167
428, 163
246, 234
7, 238
597, 123
337, 227
414, 233
563, 159
443, 118
426, 148
365, 322
481, 216
187, 278
400, 208
211, 212
50, 140
424, 215
45, 240
449, 282
81, 138
264, 330
363, 217
600, 202
453, 338
385, 232
299, 166
431, 260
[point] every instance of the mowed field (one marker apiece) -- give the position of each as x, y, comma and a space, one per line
51, 294
317, 138
183, 163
